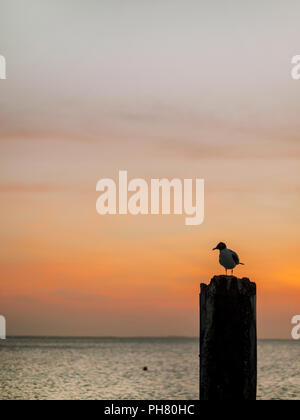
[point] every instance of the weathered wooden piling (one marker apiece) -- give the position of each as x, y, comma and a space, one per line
228, 339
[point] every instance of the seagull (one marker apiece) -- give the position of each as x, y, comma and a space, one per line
228, 259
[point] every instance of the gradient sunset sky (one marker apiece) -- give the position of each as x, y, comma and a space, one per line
162, 89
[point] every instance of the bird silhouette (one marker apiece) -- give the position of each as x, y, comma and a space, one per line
228, 258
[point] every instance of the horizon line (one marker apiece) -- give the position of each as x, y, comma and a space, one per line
123, 337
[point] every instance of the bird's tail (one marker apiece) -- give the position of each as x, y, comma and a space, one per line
241, 263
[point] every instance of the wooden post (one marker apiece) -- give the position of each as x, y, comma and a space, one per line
228, 340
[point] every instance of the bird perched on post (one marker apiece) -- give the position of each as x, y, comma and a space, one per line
228, 258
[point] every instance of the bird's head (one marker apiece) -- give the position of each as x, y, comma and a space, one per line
220, 246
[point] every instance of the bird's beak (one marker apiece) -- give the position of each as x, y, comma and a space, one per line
214, 249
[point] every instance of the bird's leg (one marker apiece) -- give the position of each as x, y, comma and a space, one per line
225, 271
232, 272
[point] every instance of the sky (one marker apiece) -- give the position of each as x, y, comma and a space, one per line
160, 89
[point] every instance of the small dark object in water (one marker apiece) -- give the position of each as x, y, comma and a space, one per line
145, 368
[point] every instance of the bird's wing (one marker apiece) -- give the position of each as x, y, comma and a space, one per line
235, 257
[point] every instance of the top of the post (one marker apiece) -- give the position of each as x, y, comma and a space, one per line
230, 286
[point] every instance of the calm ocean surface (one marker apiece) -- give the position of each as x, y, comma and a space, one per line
112, 368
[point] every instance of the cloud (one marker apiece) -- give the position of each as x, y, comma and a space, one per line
20, 299
27, 188
229, 150
77, 295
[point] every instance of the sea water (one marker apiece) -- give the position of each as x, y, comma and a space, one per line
113, 368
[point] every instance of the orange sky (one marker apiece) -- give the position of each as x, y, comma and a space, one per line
189, 94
